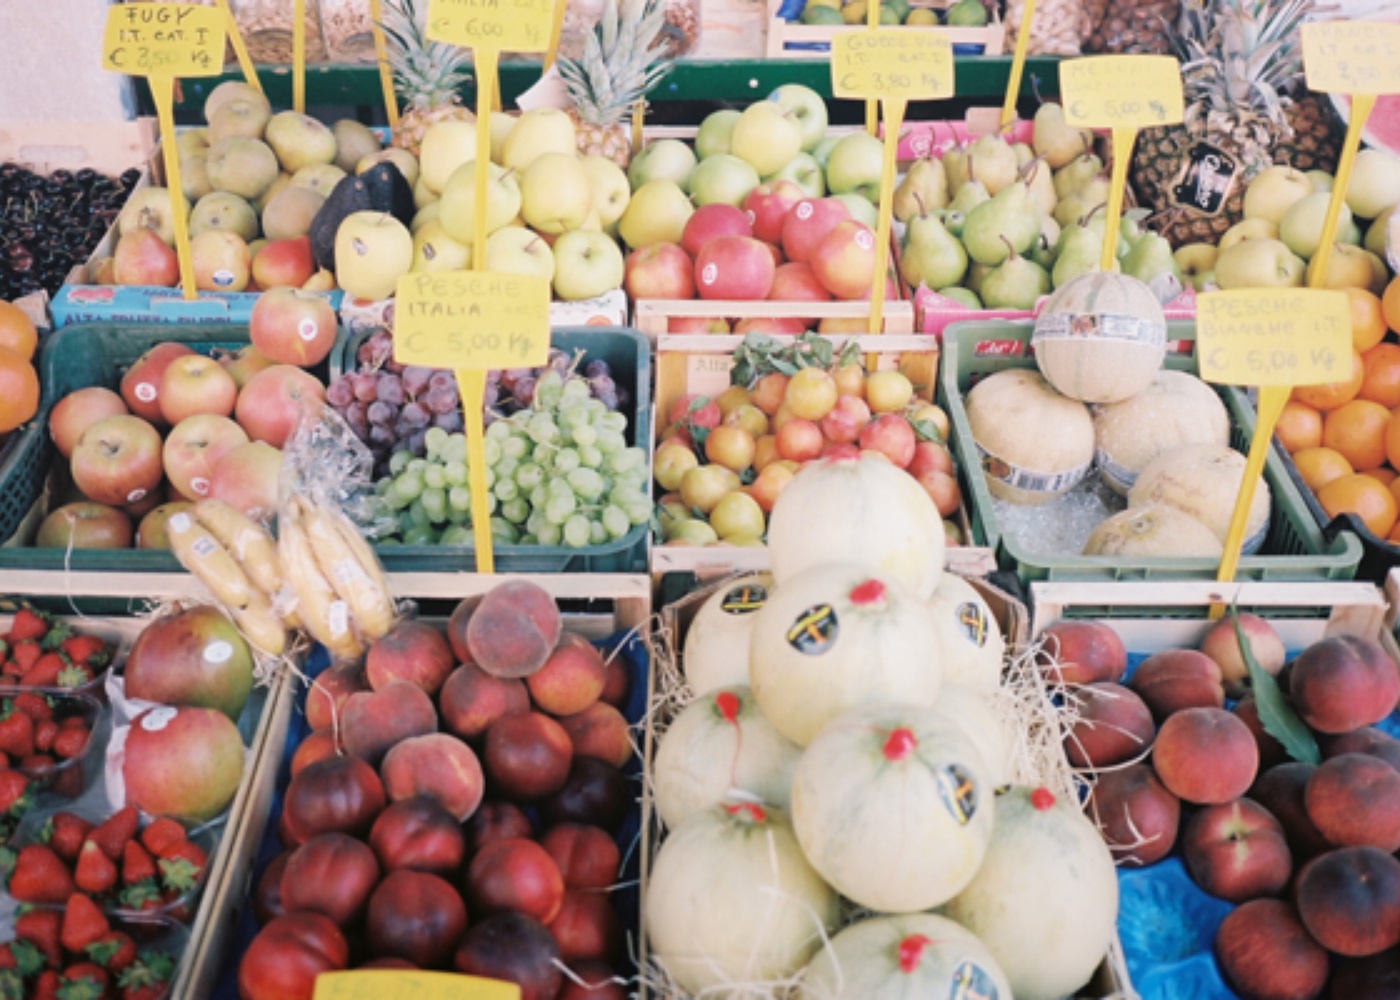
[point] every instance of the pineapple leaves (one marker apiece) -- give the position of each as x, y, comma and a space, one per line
1276, 715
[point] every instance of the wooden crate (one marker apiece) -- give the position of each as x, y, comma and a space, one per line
652, 316
781, 34
700, 363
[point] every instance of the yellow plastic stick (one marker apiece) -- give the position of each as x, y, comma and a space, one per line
299, 56
894, 109
1271, 400
872, 107
240, 49
471, 386
381, 55
163, 93
1018, 65
1123, 139
1361, 105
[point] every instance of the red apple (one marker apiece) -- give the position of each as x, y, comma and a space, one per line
697, 324
84, 525
194, 446
846, 419
273, 401
143, 258
790, 325
844, 260
194, 384
795, 281
292, 327
243, 363
734, 267
284, 263
140, 386
709, 222
808, 222
247, 477
152, 531
79, 410
890, 434
660, 271
118, 460
768, 205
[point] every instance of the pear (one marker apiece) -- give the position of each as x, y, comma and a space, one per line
954, 222
1078, 253
1041, 181
1015, 284
959, 294
1056, 141
1043, 251
976, 274
1024, 154
1150, 260
1374, 184
955, 166
1074, 174
968, 196
1074, 208
992, 161
925, 187
1005, 224
1274, 191
1130, 225
931, 255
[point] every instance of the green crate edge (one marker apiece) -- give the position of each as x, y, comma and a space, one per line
1338, 560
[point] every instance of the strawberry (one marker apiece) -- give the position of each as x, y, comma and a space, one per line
74, 675
141, 897
16, 733
36, 706
148, 978
29, 624
115, 952
45, 671
65, 833
83, 923
87, 650
59, 631
44, 733
84, 981
38, 875
11, 984
46, 986
180, 866
137, 863
22, 957
26, 654
113, 833
161, 833
41, 927
95, 872
15, 799
70, 742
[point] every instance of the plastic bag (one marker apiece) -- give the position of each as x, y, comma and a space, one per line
1056, 29
1129, 28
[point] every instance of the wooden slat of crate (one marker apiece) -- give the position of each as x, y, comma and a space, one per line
780, 33
652, 316
106, 146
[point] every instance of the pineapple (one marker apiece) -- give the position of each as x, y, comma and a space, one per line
426, 74
1242, 69
621, 61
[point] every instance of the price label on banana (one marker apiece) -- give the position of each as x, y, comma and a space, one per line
892, 63
1121, 91
1273, 337
471, 319
503, 25
164, 39
1352, 57
419, 985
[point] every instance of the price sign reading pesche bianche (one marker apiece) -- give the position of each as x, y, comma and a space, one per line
164, 39
1273, 337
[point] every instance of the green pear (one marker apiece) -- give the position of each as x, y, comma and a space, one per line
1015, 284
1078, 253
1041, 181
955, 166
1375, 183
954, 222
992, 161
968, 196
1006, 224
1074, 208
924, 187
1043, 252
1024, 154
959, 294
1274, 191
1259, 264
1074, 174
1150, 260
931, 255
976, 274
1055, 140
1301, 226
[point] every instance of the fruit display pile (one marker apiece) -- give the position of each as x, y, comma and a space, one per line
962, 14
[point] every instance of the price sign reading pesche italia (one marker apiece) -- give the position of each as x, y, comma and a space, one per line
503, 25
1121, 91
1273, 337
471, 320
164, 39
891, 63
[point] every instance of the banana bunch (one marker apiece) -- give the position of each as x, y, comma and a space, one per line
237, 560
341, 595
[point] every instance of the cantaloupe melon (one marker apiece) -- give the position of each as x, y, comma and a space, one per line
1155, 530
716, 650
1176, 409
1204, 480
1034, 443
1101, 337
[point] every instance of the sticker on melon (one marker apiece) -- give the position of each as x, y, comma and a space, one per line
1033, 442
716, 649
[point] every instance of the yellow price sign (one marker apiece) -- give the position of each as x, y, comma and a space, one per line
164, 39
471, 319
1352, 57
502, 25
1273, 337
892, 64
375, 984
1121, 91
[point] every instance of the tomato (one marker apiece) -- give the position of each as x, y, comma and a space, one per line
288, 954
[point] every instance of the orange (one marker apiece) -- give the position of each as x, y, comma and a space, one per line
17, 332
1395, 489
1319, 466
1390, 303
19, 390
1368, 326
1299, 426
1357, 430
1329, 397
1392, 440
1381, 381
1394, 535
1363, 496
1384, 475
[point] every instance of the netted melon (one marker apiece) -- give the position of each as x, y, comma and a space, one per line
1204, 480
1156, 530
1176, 409
1101, 337
1034, 443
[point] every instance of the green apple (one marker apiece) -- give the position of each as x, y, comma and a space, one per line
1347, 267
804, 171
611, 192
861, 208
1274, 191
1257, 228
821, 152
722, 177
1196, 260
662, 160
587, 264
555, 194
1321, 180
372, 251
1259, 264
657, 213
1375, 183
1301, 226
502, 125
434, 249
517, 250
446, 146
428, 213
458, 211
714, 133
855, 164
807, 106
537, 132
766, 137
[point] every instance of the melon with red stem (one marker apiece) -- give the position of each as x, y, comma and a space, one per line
716, 650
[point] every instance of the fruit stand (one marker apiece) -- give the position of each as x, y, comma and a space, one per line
802, 499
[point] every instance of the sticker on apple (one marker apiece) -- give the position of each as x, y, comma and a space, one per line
218, 651
145, 391
709, 273
136, 495
158, 718
200, 485
307, 329
803, 210
865, 240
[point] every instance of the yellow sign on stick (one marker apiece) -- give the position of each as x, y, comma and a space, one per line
164, 39
1273, 336
1352, 57
471, 319
375, 984
503, 25
1121, 91
890, 63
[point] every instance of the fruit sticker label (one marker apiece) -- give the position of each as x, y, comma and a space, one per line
892, 63
1205, 180
471, 319
1018, 478
503, 25
373, 984
972, 622
1099, 326
1121, 91
164, 39
958, 791
218, 651
744, 600
1352, 57
1273, 336
158, 718
972, 982
814, 631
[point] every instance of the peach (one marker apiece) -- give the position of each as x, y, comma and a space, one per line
1114, 726
1082, 652
439, 765
1354, 801
412, 651
571, 679
1349, 900
1205, 755
586, 855
318, 745
457, 627
416, 916
471, 699
1136, 815
1271, 751
1375, 977
325, 699
1237, 851
618, 685
600, 731
514, 629
515, 874
527, 756
594, 792
1265, 951
1343, 683
1280, 790
587, 926
497, 820
332, 874
1367, 740
375, 720
1222, 645
1178, 678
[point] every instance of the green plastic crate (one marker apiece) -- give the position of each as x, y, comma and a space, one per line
1294, 549
22, 470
